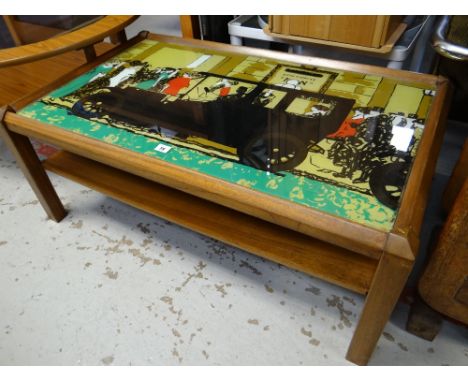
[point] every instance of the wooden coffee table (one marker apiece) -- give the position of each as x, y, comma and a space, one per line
319, 165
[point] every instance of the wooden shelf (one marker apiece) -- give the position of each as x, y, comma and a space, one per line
384, 49
289, 248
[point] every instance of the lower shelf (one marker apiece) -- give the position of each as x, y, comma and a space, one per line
284, 246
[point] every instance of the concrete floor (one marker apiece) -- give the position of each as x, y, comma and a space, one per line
111, 285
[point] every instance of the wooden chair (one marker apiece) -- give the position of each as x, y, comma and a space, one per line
25, 68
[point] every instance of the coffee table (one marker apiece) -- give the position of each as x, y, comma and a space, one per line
319, 165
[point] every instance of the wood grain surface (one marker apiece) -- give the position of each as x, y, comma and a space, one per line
416, 191
21, 80
77, 39
389, 280
289, 248
27, 160
371, 34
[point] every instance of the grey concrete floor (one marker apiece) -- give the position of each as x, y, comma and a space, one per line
113, 285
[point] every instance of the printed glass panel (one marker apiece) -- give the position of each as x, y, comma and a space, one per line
340, 142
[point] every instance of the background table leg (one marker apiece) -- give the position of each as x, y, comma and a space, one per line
32, 168
236, 40
389, 280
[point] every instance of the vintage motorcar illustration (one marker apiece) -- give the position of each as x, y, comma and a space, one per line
357, 132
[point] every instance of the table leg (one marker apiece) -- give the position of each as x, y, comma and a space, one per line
389, 280
235, 40
395, 64
32, 168
297, 49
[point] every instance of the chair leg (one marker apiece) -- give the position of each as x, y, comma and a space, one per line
90, 53
32, 168
119, 38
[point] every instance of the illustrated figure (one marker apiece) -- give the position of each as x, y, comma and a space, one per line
348, 127
318, 110
119, 76
266, 97
175, 85
163, 76
224, 87
292, 84
107, 65
123, 76
365, 150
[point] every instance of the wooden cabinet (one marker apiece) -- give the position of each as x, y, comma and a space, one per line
369, 31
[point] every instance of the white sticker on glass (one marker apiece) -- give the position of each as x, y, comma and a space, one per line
162, 148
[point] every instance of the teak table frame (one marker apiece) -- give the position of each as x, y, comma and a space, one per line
359, 258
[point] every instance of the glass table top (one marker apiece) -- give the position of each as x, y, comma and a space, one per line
340, 142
